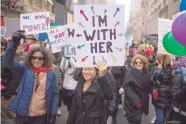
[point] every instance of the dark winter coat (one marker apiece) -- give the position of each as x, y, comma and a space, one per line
137, 88
117, 73
179, 92
88, 107
10, 80
162, 83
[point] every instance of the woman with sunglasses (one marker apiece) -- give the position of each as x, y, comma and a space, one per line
37, 98
137, 86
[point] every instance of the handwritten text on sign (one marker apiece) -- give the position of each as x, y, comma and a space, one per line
101, 34
56, 38
33, 23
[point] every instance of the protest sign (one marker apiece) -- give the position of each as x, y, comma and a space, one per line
164, 26
33, 23
56, 38
100, 34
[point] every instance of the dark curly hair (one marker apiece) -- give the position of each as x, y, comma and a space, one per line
48, 58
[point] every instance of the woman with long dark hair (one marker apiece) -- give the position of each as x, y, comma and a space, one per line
37, 98
92, 90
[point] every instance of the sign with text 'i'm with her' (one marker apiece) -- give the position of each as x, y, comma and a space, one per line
101, 34
33, 23
56, 38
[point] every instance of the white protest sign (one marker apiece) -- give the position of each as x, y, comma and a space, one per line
56, 38
70, 44
164, 26
34, 23
101, 34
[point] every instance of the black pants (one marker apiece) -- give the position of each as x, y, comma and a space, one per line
31, 120
67, 99
60, 98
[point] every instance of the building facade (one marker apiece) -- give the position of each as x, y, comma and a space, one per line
13, 8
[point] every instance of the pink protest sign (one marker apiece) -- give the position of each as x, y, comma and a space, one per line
33, 23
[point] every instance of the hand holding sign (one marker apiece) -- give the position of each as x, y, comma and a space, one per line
102, 67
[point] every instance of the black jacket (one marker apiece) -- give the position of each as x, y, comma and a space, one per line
137, 88
162, 83
179, 92
10, 80
117, 73
88, 107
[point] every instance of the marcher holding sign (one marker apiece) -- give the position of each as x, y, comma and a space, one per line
56, 38
100, 34
33, 23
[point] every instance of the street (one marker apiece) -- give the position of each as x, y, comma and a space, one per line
121, 119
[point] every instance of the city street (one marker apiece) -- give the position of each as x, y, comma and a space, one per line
121, 119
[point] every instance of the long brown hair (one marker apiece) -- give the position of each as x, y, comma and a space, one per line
48, 59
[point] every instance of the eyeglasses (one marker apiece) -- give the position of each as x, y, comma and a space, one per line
139, 63
34, 58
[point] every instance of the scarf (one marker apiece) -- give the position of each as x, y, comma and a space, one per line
38, 70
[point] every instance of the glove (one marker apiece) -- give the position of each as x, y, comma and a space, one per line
16, 37
52, 119
155, 95
138, 105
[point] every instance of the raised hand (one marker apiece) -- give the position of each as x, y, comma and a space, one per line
102, 67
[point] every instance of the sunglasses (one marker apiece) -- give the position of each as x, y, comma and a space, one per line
39, 58
139, 63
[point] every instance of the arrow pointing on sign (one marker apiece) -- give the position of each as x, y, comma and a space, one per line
120, 49
80, 24
104, 60
83, 59
94, 60
92, 8
105, 11
80, 46
114, 59
117, 23
116, 11
120, 34
78, 35
82, 12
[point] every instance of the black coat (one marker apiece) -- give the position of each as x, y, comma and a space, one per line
117, 73
179, 92
137, 88
88, 107
162, 83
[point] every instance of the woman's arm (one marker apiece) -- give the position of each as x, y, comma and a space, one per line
9, 62
106, 86
55, 95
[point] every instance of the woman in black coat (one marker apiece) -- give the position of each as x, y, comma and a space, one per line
179, 90
91, 92
162, 87
137, 86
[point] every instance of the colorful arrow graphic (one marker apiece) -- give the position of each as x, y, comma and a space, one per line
83, 59
117, 23
114, 59
116, 12
92, 8
104, 60
105, 11
120, 34
82, 12
80, 24
120, 49
78, 35
94, 60
80, 46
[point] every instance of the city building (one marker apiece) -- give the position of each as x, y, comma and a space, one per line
13, 8
173, 8
82, 2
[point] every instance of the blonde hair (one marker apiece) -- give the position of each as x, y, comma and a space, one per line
162, 59
142, 58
